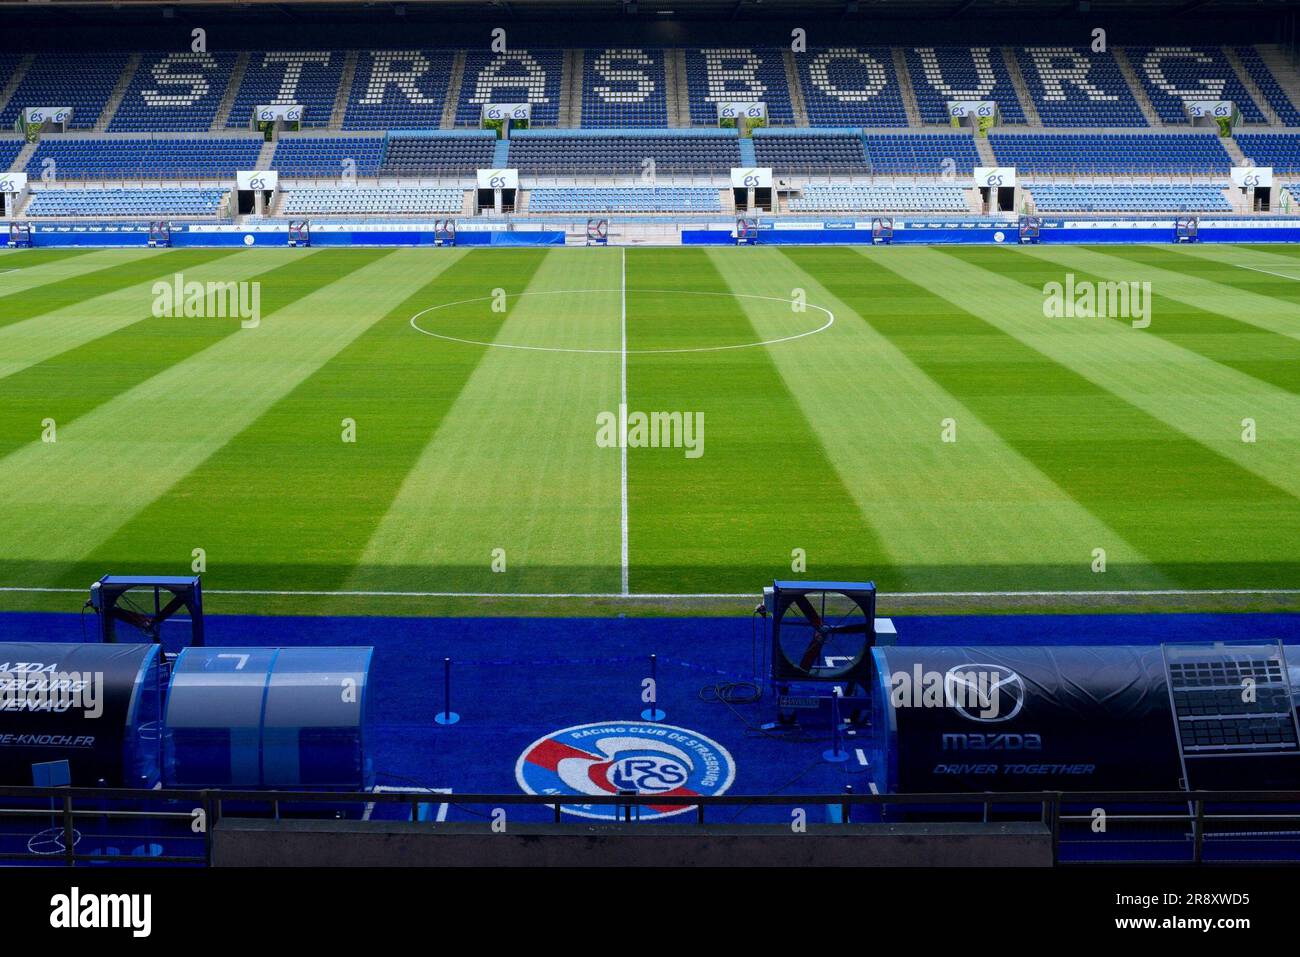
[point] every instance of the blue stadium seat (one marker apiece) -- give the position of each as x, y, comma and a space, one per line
1278, 150
1099, 153
624, 87
433, 154
308, 78
939, 198
9, 150
851, 86
1258, 71
362, 200
1072, 86
926, 154
1130, 198
940, 74
83, 81
178, 92
1172, 75
739, 74
399, 90
156, 158
98, 203
328, 157
516, 76
810, 152
624, 154
629, 199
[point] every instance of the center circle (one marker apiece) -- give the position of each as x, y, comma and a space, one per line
826, 324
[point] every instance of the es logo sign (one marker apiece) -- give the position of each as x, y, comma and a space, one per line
993, 179
497, 181
257, 182
607, 757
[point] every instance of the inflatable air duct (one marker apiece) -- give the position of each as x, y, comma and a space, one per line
95, 706
288, 718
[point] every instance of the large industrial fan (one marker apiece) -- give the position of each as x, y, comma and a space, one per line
822, 631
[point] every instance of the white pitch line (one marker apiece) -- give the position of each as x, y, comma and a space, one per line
622, 404
1280, 275
687, 596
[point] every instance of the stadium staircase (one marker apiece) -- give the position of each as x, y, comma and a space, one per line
453, 91
1234, 150
24, 157
1282, 67
1252, 87
345, 90
19, 73
671, 92
501, 155
232, 91
680, 105
985, 149
1027, 105
798, 104
1135, 84
266, 155
571, 89
910, 106
115, 98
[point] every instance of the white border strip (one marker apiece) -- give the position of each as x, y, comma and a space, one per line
622, 406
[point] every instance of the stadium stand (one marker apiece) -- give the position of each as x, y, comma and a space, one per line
926, 198
82, 81
1278, 150
737, 74
1101, 153
308, 78
9, 150
1172, 75
643, 199
176, 92
328, 157
851, 86
156, 158
1263, 77
815, 151
1130, 197
399, 89
373, 199
624, 87
125, 202
624, 152
1072, 86
515, 76
437, 154
940, 74
933, 154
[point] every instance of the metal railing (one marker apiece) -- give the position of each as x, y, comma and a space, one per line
1274, 815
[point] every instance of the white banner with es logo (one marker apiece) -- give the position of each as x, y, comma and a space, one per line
257, 179
751, 110
289, 112
964, 108
498, 179
508, 111
13, 182
1248, 177
1212, 108
751, 177
47, 114
995, 176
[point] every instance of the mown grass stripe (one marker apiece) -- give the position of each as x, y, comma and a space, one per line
315, 530
1200, 398
1202, 519
1251, 350
81, 290
1236, 301
59, 502
70, 384
971, 512
513, 464
763, 487
26, 343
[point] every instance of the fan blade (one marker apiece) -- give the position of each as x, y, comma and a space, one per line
805, 606
814, 649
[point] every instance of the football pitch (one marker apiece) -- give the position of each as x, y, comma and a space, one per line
564, 427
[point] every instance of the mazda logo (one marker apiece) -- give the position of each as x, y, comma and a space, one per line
984, 692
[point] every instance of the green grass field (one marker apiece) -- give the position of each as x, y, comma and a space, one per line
477, 431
